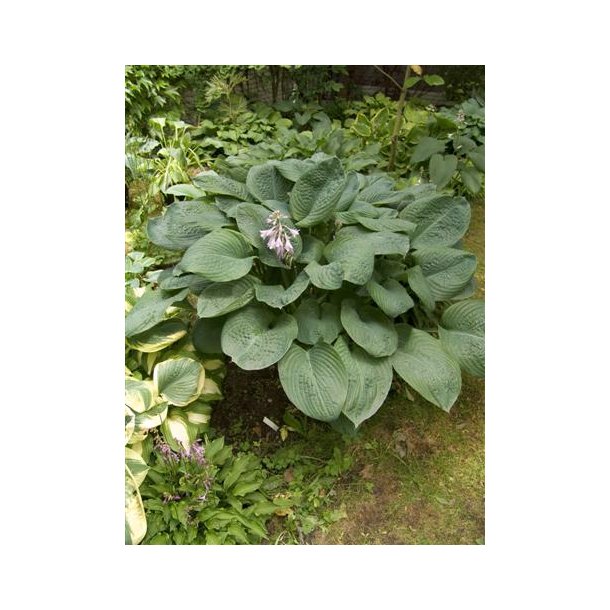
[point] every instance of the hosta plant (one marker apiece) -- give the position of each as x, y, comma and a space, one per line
338, 278
205, 494
168, 386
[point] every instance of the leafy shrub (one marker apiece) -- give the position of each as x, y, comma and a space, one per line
147, 93
339, 278
203, 494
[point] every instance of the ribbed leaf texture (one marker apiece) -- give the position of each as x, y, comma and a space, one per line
441, 221
277, 296
179, 381
447, 270
369, 381
327, 277
462, 335
266, 182
219, 185
222, 298
183, 223
256, 337
159, 337
315, 380
220, 256
316, 193
422, 363
369, 328
391, 297
149, 310
317, 322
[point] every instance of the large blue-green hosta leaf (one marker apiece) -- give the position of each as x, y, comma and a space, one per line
379, 242
256, 337
313, 250
355, 256
183, 223
222, 298
206, 335
419, 285
350, 190
219, 185
315, 380
369, 381
317, 322
316, 193
179, 381
327, 277
421, 361
293, 169
220, 256
441, 221
391, 296
385, 224
447, 270
277, 296
462, 335
369, 328
266, 182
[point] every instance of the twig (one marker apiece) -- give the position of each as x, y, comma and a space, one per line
390, 77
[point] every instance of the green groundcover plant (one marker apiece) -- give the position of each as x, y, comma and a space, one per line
338, 278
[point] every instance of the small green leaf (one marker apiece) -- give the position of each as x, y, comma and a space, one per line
471, 179
434, 80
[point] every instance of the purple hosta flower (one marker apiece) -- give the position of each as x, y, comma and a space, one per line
460, 116
278, 237
197, 453
166, 451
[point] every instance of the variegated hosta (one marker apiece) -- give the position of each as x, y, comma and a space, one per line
340, 278
168, 385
